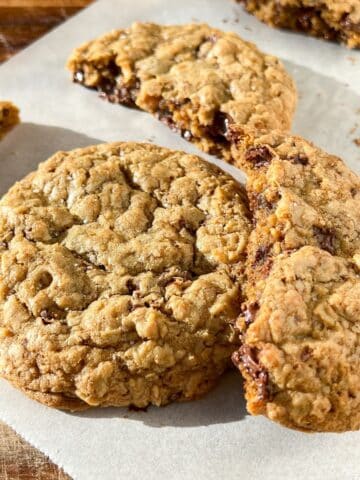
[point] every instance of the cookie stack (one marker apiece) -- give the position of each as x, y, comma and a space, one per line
131, 274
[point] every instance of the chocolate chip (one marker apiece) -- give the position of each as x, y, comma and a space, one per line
353, 192
3, 244
300, 159
326, 239
349, 25
261, 254
259, 201
219, 128
130, 285
304, 18
247, 358
46, 316
305, 353
165, 116
250, 313
259, 156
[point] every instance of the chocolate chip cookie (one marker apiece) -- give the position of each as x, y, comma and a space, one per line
329, 19
300, 358
300, 271
120, 277
9, 117
194, 78
299, 195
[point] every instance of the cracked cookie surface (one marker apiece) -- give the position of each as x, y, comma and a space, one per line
194, 78
299, 195
300, 359
9, 117
329, 19
306, 212
120, 277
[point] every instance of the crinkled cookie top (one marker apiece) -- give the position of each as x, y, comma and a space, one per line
120, 272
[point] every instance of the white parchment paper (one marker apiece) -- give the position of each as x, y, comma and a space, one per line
213, 438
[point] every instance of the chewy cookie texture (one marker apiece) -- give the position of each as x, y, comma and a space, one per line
300, 327
194, 78
120, 277
9, 117
329, 19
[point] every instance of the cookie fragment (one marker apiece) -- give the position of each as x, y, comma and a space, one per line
329, 19
299, 195
306, 335
299, 326
121, 268
196, 79
9, 117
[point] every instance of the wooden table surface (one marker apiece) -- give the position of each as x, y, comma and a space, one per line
22, 22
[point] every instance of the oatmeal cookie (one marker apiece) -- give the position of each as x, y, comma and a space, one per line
301, 303
299, 195
329, 19
9, 117
194, 78
300, 356
120, 277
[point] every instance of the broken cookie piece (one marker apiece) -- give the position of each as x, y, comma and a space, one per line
299, 321
337, 20
300, 355
196, 79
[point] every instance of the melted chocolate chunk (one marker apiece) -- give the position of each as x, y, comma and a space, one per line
3, 244
165, 116
259, 156
305, 353
304, 18
46, 317
219, 130
250, 313
247, 358
326, 238
261, 254
299, 159
349, 25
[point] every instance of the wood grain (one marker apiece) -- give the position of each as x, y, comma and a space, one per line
22, 22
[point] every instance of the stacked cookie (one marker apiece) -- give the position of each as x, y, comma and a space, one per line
130, 274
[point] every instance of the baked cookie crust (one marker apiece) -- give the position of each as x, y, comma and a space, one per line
194, 78
300, 358
300, 318
121, 268
337, 20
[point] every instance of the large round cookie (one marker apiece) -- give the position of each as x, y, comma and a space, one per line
120, 276
195, 78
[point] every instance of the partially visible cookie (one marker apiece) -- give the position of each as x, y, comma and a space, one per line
299, 195
300, 356
121, 268
9, 117
299, 329
194, 78
329, 19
